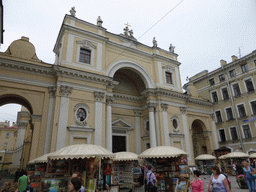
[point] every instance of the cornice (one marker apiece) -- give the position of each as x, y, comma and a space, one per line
167, 59
124, 97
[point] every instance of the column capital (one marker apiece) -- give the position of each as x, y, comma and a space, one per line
183, 110
151, 106
65, 90
109, 100
99, 96
137, 113
164, 106
52, 90
22, 125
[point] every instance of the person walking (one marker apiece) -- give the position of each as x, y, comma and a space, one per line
74, 185
218, 181
248, 171
23, 181
197, 183
151, 180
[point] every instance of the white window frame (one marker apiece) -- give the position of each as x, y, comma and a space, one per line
87, 110
233, 88
85, 44
249, 129
169, 69
222, 93
245, 83
126, 135
8, 135
226, 112
231, 134
224, 133
212, 96
251, 105
220, 115
246, 114
230, 75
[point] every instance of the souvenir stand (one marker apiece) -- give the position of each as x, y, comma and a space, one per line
89, 160
205, 163
37, 169
126, 170
170, 166
237, 157
252, 159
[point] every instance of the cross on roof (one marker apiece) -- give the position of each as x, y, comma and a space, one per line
127, 25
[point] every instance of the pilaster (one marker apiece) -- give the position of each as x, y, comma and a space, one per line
137, 114
36, 123
109, 102
152, 129
164, 108
214, 130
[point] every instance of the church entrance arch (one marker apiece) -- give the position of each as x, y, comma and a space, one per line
199, 138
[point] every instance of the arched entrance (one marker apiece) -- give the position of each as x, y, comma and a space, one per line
198, 138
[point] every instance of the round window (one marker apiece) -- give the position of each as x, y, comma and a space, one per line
175, 123
81, 114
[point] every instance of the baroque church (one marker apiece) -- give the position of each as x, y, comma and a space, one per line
104, 89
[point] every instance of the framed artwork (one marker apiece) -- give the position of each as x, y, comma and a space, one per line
58, 167
114, 189
184, 168
182, 186
100, 184
54, 185
183, 159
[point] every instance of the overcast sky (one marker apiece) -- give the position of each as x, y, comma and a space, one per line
202, 31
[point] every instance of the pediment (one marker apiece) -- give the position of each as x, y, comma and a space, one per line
86, 44
121, 124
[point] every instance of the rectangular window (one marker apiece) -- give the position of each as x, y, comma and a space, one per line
5, 144
236, 89
1, 158
232, 73
233, 133
225, 93
222, 78
253, 105
244, 68
247, 132
214, 97
211, 81
218, 116
222, 135
255, 62
7, 135
241, 110
168, 77
249, 85
229, 113
85, 56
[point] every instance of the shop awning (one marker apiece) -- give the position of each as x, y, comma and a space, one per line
125, 156
82, 151
162, 152
205, 157
42, 159
236, 155
252, 155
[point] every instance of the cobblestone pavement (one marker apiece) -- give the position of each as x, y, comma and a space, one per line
2, 181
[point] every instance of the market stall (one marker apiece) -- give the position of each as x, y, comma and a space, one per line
126, 170
252, 159
205, 162
91, 161
170, 165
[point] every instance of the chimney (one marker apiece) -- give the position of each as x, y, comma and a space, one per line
234, 58
223, 62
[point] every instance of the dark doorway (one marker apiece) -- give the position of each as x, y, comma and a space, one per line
118, 143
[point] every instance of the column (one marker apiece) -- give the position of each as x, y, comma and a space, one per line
152, 129
186, 133
137, 114
36, 122
165, 124
109, 102
63, 116
214, 131
48, 135
98, 117
158, 141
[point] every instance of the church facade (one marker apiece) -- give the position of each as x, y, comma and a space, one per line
104, 89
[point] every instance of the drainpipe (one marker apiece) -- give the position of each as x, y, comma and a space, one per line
234, 110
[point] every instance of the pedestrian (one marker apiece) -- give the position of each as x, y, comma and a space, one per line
79, 176
10, 187
74, 185
218, 181
17, 175
248, 171
151, 180
23, 181
197, 183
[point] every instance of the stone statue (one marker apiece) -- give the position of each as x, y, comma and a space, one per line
154, 42
131, 33
73, 11
99, 22
171, 48
126, 30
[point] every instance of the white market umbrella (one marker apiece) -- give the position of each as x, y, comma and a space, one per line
42, 159
236, 154
222, 157
125, 156
252, 155
204, 157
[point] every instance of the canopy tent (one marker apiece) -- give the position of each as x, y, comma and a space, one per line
42, 159
222, 157
162, 152
81, 151
204, 157
252, 155
125, 156
236, 154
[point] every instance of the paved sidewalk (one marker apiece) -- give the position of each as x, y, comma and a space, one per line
2, 181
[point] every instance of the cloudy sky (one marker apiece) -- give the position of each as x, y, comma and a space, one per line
202, 31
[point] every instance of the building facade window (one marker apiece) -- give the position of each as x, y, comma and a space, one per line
81, 113
241, 110
214, 97
222, 77
244, 68
233, 133
222, 135
218, 116
255, 62
229, 113
211, 81
1, 158
249, 85
5, 144
168, 77
7, 135
85, 56
232, 73
236, 89
253, 106
247, 131
225, 93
